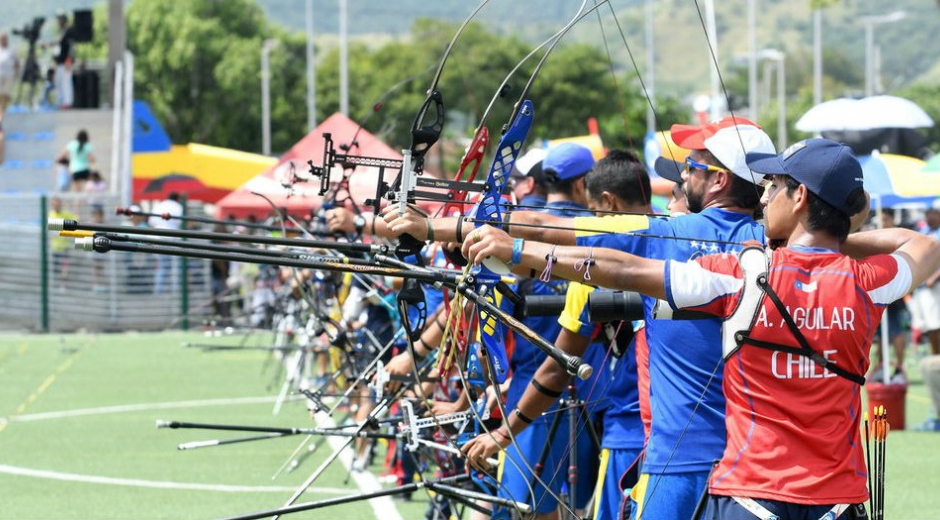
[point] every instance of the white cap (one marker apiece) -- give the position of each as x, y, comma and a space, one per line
530, 159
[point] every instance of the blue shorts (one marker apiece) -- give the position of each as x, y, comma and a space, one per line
726, 508
672, 496
516, 477
611, 500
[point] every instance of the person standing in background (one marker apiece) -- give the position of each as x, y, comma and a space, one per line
60, 246
9, 69
79, 154
172, 209
925, 302
898, 319
63, 61
95, 189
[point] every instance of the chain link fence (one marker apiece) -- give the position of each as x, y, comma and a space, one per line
47, 285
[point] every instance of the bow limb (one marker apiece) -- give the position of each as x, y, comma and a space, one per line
489, 211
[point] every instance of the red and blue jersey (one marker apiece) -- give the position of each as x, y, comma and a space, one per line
793, 426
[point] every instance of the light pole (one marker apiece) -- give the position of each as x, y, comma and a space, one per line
817, 56
779, 58
311, 70
343, 61
870, 23
717, 101
266, 49
752, 59
650, 68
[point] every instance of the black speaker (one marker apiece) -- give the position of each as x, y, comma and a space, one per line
83, 25
86, 89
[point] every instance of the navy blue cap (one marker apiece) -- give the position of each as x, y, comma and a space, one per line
828, 169
669, 169
567, 161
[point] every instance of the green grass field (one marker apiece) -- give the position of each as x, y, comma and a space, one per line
78, 436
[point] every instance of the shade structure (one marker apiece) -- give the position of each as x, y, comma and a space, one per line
894, 180
933, 164
300, 198
864, 114
161, 187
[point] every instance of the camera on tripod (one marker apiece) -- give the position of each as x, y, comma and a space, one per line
30, 32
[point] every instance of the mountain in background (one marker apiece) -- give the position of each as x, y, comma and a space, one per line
908, 52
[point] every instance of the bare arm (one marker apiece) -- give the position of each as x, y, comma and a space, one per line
542, 227
611, 269
552, 377
921, 251
530, 225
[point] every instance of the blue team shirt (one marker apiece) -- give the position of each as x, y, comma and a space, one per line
526, 357
616, 387
685, 356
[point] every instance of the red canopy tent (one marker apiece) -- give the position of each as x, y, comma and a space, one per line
302, 197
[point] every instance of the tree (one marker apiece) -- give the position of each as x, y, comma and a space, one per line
927, 96
197, 64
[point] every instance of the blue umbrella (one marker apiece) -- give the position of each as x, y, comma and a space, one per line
896, 180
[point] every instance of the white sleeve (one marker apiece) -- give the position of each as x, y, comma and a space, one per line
897, 287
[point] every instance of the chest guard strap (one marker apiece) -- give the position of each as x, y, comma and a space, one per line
754, 263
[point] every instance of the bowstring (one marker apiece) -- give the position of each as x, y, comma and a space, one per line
714, 60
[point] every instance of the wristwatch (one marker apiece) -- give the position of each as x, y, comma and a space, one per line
359, 222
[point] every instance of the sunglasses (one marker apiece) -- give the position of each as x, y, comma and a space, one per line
695, 165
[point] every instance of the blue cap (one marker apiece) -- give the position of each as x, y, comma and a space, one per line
828, 169
567, 161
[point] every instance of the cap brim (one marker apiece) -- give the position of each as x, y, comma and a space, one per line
766, 163
669, 169
688, 136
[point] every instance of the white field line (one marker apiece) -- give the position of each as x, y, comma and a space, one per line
383, 507
136, 408
91, 479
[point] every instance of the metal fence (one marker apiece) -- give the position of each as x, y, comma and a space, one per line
46, 285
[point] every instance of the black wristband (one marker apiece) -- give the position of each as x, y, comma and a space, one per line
523, 417
547, 391
414, 351
504, 225
459, 230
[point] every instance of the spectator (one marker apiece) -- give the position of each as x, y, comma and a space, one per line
170, 207
80, 157
60, 245
63, 178
898, 320
97, 217
95, 189
220, 271
48, 88
930, 368
139, 273
925, 302
9, 69
172, 210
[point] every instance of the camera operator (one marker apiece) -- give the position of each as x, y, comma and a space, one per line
64, 57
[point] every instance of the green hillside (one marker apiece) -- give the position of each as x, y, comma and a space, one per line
908, 54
